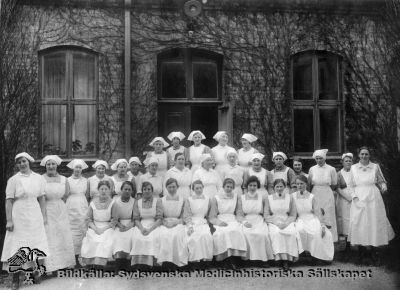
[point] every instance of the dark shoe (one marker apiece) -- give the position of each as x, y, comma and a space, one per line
285, 265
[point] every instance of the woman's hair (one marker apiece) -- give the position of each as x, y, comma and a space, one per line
170, 181
198, 181
301, 177
177, 155
228, 180
279, 180
127, 183
146, 184
298, 159
104, 182
253, 179
364, 148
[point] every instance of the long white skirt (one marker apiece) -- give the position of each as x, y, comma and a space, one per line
343, 215
369, 225
122, 241
229, 240
77, 207
173, 246
309, 228
257, 239
286, 241
145, 249
97, 249
200, 242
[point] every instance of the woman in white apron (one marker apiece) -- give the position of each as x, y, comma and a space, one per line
153, 176
229, 240
315, 237
219, 152
100, 166
158, 143
26, 215
234, 171
369, 225
246, 152
210, 178
147, 214
134, 173
121, 166
58, 230
281, 171
280, 214
176, 139
97, 246
322, 179
182, 174
196, 150
77, 204
122, 217
251, 214
261, 173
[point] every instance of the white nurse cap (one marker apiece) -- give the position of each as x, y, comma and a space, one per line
135, 159
283, 155
55, 158
161, 139
320, 153
100, 162
118, 162
190, 138
26, 155
347, 155
178, 135
76, 162
249, 137
257, 156
219, 134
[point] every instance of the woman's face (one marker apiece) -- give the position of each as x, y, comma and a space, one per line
197, 138
252, 186
279, 187
158, 146
175, 142
364, 155
319, 160
245, 143
100, 170
347, 163
232, 158
198, 189
134, 167
297, 166
228, 187
153, 168
172, 188
301, 185
147, 192
51, 166
256, 163
208, 163
180, 161
77, 170
223, 140
23, 164
122, 168
278, 160
104, 191
126, 191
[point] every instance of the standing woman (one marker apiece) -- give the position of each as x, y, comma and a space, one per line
26, 215
210, 178
147, 214
135, 173
173, 247
281, 171
246, 153
369, 225
315, 237
251, 214
100, 166
59, 235
158, 143
122, 216
97, 245
197, 149
261, 173
280, 214
121, 166
152, 175
176, 139
234, 171
219, 152
77, 204
322, 179
182, 174
344, 198
229, 240
199, 240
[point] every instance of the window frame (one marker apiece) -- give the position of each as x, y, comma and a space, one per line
315, 103
70, 101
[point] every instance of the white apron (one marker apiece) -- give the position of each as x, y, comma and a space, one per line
195, 156
343, 206
244, 157
123, 240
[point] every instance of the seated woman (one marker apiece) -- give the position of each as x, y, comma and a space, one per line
280, 214
229, 240
173, 248
250, 213
122, 216
199, 240
315, 237
97, 245
147, 214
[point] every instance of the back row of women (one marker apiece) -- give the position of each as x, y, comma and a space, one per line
194, 204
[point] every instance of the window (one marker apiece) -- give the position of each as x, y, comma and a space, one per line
317, 101
69, 102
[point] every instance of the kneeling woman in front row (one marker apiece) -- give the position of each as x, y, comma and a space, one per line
97, 245
229, 240
147, 214
173, 247
315, 237
280, 214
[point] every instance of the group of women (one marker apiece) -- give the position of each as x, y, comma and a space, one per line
193, 205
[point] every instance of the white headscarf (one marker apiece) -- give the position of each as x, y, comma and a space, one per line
321, 153
118, 162
347, 155
161, 139
55, 158
135, 159
230, 151
219, 134
204, 157
100, 162
190, 138
249, 137
76, 162
26, 155
283, 155
178, 135
257, 156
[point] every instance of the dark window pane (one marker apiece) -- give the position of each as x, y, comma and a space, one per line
83, 75
205, 119
173, 80
302, 79
303, 130
327, 78
54, 76
54, 130
84, 129
329, 129
205, 80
